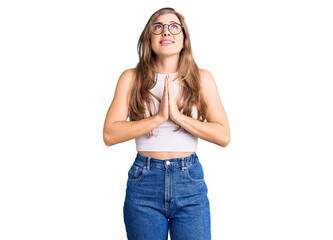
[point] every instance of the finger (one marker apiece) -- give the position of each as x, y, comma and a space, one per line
165, 85
168, 84
167, 81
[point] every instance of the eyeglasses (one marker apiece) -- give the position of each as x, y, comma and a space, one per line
174, 28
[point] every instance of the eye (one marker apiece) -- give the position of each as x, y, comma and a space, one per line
175, 26
157, 26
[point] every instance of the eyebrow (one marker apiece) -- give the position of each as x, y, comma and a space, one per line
169, 22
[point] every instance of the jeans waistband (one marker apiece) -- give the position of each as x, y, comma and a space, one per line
182, 162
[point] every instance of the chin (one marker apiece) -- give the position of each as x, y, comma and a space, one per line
166, 52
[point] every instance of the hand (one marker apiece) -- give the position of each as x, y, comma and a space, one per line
173, 106
164, 109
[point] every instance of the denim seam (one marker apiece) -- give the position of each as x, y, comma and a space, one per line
192, 179
144, 170
173, 165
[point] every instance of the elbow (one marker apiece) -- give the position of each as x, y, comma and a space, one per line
107, 140
225, 140
110, 138
225, 143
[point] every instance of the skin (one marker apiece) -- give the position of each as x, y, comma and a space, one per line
167, 56
117, 129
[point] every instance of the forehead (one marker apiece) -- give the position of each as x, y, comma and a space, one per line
167, 18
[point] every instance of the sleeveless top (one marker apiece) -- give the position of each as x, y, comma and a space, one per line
164, 139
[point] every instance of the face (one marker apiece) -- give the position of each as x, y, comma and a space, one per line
172, 44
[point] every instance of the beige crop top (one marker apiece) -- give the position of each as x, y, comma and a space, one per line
164, 138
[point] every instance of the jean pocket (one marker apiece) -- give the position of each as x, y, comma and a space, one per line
195, 173
136, 172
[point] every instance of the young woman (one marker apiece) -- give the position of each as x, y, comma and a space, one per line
171, 103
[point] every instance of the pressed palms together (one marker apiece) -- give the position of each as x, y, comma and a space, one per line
168, 107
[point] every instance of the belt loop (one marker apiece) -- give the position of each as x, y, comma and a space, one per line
148, 163
183, 167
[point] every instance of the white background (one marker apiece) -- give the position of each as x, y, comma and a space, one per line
60, 62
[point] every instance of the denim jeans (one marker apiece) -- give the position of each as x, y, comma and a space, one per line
166, 195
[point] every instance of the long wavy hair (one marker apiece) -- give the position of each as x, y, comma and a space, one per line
146, 76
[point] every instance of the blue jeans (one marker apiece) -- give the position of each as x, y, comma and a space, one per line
163, 195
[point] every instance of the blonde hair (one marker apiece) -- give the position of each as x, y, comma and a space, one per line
145, 76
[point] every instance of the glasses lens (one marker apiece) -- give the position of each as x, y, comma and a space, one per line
157, 28
175, 28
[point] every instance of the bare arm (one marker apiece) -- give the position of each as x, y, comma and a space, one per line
116, 128
216, 129
121, 131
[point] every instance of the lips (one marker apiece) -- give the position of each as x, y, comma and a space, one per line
166, 42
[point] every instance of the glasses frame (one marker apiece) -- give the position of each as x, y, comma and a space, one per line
182, 28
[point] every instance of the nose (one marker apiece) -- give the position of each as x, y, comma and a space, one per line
166, 30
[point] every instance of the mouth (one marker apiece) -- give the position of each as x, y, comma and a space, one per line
166, 43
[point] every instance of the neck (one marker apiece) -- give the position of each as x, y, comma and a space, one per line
167, 65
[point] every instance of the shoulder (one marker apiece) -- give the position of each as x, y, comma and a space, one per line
206, 78
208, 86
127, 75
127, 78
125, 82
204, 72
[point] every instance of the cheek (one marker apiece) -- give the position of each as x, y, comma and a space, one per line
181, 42
154, 42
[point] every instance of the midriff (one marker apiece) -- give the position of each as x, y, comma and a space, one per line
165, 155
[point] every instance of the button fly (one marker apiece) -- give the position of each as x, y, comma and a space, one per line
167, 162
